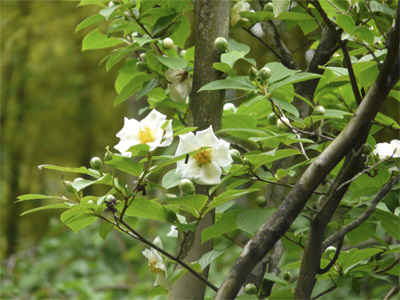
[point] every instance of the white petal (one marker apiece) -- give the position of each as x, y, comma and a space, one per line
148, 254
209, 174
220, 155
173, 75
131, 127
124, 145
179, 91
189, 170
187, 143
158, 243
168, 135
383, 150
173, 232
207, 138
396, 147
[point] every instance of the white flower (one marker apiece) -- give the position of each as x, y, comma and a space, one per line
181, 84
148, 131
257, 30
156, 263
236, 9
203, 167
386, 150
230, 107
173, 232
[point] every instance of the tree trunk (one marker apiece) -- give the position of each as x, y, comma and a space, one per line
212, 21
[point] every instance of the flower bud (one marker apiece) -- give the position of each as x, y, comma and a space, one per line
251, 289
253, 73
247, 162
230, 107
96, 163
141, 66
68, 186
272, 119
167, 43
319, 110
330, 251
171, 216
108, 156
268, 7
182, 53
187, 187
281, 125
287, 276
90, 202
261, 201
221, 44
236, 156
143, 56
265, 73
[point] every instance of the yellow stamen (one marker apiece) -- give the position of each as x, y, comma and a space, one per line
203, 157
146, 135
153, 268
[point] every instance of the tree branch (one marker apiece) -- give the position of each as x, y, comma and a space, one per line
272, 230
364, 216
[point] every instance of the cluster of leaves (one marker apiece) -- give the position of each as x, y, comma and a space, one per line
254, 127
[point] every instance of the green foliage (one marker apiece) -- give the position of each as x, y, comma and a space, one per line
127, 193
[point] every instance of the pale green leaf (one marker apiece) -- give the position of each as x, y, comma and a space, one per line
173, 63
96, 40
51, 206
237, 83
144, 208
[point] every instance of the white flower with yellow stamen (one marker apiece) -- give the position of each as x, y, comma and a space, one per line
148, 131
203, 167
237, 9
386, 150
181, 84
156, 263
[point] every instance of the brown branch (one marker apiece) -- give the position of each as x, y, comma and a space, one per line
388, 268
278, 56
342, 45
364, 216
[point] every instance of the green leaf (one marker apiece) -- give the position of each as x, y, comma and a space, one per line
349, 258
292, 79
134, 85
105, 228
36, 196
263, 158
286, 106
81, 170
251, 220
293, 16
144, 41
96, 40
148, 87
274, 278
125, 164
209, 257
228, 196
279, 71
139, 149
345, 22
171, 179
89, 2
236, 46
231, 57
50, 206
89, 21
79, 185
237, 83
173, 63
280, 6
182, 32
106, 12
184, 130
144, 208
162, 23
192, 204
363, 33
258, 16
76, 219
226, 223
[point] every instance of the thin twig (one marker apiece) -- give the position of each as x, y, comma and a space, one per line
326, 291
233, 240
265, 44
388, 268
293, 241
376, 21
386, 126
133, 233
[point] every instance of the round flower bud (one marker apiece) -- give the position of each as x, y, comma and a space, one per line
230, 107
187, 187
68, 186
287, 276
143, 56
281, 125
251, 289
90, 202
265, 73
96, 163
236, 157
330, 251
171, 216
272, 119
182, 53
167, 43
367, 149
221, 43
269, 7
141, 66
253, 73
261, 201
319, 110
